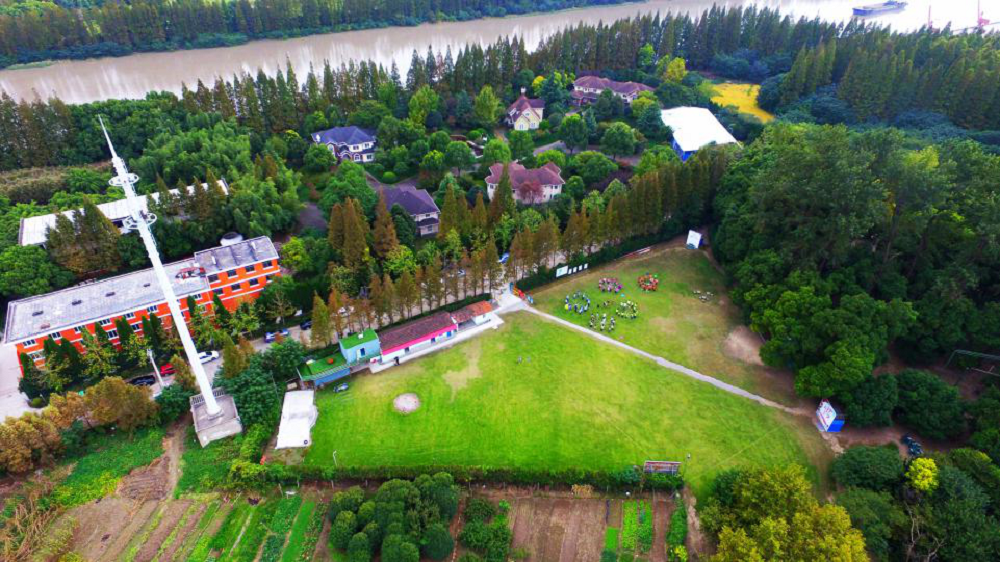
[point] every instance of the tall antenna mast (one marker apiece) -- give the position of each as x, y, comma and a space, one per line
140, 221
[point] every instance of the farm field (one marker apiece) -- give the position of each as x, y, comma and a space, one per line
673, 322
572, 402
743, 96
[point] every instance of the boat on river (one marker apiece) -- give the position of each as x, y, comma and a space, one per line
880, 8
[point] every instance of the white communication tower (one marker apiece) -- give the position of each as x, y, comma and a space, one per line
214, 411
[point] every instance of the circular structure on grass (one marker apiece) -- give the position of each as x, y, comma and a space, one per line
406, 403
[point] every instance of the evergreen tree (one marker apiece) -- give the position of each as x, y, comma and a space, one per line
320, 335
385, 230
502, 201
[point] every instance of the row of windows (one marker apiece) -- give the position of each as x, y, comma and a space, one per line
232, 273
152, 309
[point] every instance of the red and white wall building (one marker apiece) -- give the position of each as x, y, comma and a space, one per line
236, 273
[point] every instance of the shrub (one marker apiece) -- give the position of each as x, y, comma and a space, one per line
875, 514
479, 510
923, 474
395, 548
929, 405
389, 177
870, 404
37, 402
608, 556
173, 402
359, 549
437, 542
876, 468
342, 530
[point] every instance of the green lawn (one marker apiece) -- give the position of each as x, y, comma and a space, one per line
572, 402
673, 322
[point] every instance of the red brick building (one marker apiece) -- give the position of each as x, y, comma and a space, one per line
236, 273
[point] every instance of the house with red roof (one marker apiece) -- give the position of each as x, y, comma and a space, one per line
586, 89
525, 114
418, 334
530, 186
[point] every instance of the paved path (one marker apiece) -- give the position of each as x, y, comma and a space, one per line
12, 402
672, 366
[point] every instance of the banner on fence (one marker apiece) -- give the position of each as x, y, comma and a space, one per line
661, 467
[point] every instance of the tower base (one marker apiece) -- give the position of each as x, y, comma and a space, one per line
223, 424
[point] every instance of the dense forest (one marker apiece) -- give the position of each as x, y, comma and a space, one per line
35, 30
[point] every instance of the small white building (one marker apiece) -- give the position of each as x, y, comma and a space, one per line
694, 128
298, 416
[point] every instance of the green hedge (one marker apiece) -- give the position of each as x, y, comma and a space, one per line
279, 473
677, 533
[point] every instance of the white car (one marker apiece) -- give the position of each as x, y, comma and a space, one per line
208, 356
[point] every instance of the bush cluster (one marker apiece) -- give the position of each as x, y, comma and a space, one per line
486, 530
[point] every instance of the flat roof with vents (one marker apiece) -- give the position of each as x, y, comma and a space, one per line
35, 230
96, 300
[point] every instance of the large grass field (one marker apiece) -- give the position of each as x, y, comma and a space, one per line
743, 96
673, 322
572, 402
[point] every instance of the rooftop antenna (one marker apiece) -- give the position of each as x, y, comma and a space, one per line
213, 411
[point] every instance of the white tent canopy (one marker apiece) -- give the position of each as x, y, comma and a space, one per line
695, 127
298, 416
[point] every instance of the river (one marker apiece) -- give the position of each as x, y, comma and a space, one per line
135, 75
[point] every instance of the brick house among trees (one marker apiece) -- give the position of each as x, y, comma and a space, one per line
586, 89
530, 186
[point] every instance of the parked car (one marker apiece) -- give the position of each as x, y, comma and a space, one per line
208, 356
341, 388
167, 369
271, 336
307, 325
144, 380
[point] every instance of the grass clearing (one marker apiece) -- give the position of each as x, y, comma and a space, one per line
572, 403
743, 96
672, 322
205, 469
106, 459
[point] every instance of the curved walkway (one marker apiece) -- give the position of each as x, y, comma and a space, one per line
667, 364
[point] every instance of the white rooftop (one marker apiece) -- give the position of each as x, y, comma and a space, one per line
695, 127
34, 230
91, 301
298, 416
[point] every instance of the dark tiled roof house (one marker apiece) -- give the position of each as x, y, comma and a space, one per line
418, 204
586, 89
348, 143
530, 186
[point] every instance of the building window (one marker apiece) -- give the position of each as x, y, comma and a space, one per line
106, 322
361, 352
268, 263
213, 278
231, 273
113, 334
254, 282
218, 291
56, 336
78, 329
29, 343
136, 327
151, 309
130, 316
36, 355
269, 277
248, 269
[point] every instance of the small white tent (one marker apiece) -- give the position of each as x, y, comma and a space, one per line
298, 416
